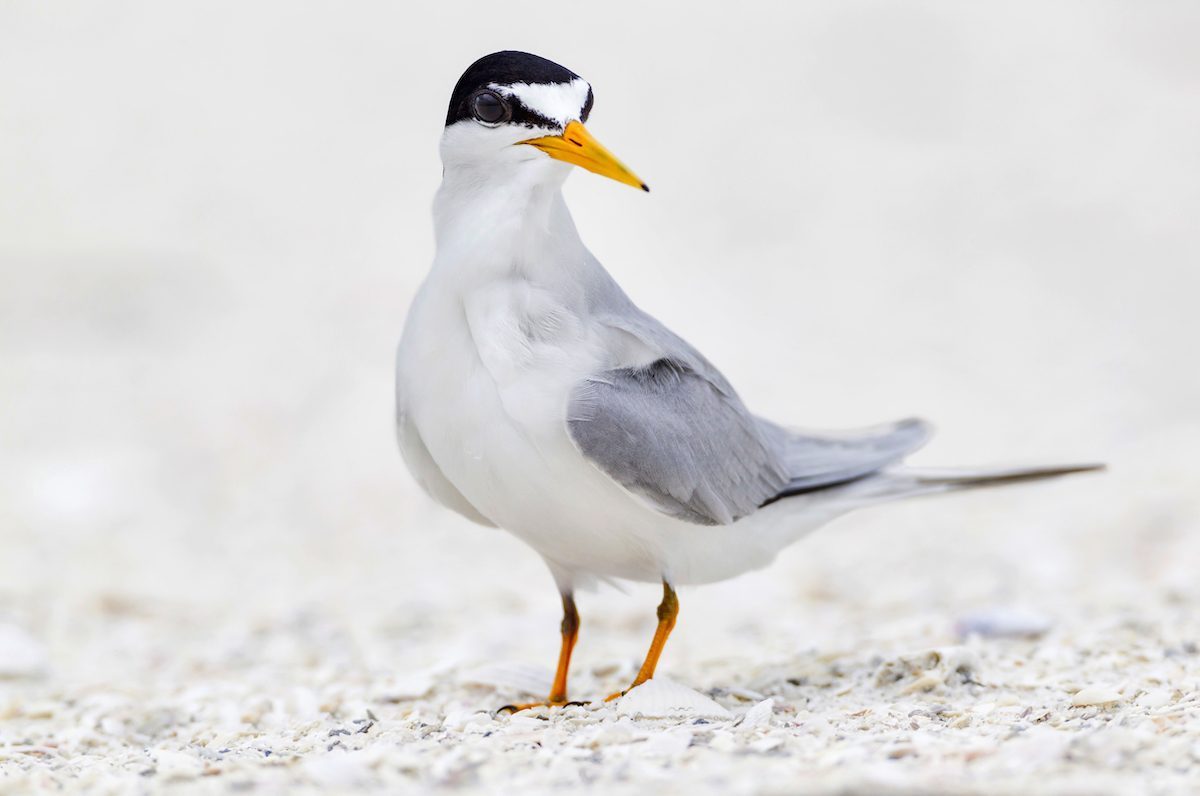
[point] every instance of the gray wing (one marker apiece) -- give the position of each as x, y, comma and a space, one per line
820, 461
675, 433
669, 435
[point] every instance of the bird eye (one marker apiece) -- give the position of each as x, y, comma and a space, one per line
489, 108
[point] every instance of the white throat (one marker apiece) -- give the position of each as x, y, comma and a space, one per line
506, 221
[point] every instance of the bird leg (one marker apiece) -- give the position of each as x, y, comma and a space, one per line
668, 609
570, 634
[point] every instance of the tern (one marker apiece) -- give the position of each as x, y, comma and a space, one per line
534, 396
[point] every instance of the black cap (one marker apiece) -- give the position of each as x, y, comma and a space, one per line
506, 68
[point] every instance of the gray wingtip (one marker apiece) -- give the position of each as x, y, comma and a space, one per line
921, 429
908, 429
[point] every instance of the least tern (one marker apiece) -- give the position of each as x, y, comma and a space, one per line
533, 395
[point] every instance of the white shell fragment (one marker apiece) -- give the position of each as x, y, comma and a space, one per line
758, 716
409, 685
1003, 622
1155, 699
663, 698
668, 743
21, 655
510, 677
918, 672
1094, 695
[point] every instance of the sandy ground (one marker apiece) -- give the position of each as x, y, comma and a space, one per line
841, 670
215, 575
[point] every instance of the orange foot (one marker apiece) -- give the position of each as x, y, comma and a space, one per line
519, 706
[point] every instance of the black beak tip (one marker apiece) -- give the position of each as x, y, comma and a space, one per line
645, 187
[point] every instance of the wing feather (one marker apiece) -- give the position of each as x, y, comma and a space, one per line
669, 435
675, 433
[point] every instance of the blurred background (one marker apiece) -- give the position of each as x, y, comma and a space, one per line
213, 216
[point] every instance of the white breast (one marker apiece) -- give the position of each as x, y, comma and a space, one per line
533, 347
486, 378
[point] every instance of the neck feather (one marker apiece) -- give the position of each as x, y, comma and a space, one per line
507, 222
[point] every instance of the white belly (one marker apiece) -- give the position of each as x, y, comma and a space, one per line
486, 381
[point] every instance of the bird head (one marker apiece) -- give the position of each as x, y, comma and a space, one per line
516, 112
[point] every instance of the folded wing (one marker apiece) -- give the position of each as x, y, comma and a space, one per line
675, 434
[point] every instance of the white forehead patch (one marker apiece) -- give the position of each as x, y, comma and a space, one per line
561, 102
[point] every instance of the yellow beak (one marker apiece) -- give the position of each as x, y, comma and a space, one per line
576, 146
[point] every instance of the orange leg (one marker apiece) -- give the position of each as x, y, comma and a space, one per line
668, 609
570, 634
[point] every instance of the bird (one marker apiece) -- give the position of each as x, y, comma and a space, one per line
533, 395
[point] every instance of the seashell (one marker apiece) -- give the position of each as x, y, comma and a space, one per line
746, 694
668, 743
510, 677
1155, 699
21, 655
1095, 695
406, 686
723, 741
663, 698
926, 682
1003, 622
609, 734
458, 720
929, 669
758, 716
768, 744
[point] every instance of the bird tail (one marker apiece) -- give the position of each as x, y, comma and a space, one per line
903, 482
897, 483
969, 479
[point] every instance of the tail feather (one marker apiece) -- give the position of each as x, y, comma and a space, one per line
971, 478
974, 478
900, 482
